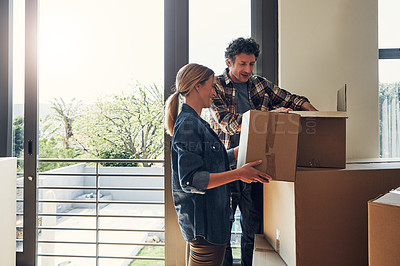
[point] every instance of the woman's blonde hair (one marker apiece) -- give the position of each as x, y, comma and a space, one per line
187, 78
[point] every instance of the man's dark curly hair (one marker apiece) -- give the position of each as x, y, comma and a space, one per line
242, 45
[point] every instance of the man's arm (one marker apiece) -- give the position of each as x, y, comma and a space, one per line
282, 98
307, 106
228, 122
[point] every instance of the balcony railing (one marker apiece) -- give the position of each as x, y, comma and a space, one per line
389, 120
91, 214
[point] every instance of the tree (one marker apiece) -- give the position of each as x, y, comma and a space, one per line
64, 115
18, 136
56, 133
125, 126
53, 147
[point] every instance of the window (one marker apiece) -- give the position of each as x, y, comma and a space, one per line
94, 59
208, 39
18, 79
389, 79
69, 37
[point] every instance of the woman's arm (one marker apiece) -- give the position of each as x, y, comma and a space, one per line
247, 173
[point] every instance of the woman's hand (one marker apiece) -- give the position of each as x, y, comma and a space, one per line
247, 173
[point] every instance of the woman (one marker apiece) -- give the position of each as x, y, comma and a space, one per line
200, 165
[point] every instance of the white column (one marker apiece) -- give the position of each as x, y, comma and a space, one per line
8, 176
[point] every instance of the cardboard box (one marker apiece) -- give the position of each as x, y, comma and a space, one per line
272, 138
322, 139
264, 254
285, 140
322, 217
384, 230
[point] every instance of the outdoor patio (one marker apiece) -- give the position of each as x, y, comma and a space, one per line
76, 226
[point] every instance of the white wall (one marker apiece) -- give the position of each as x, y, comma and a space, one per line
8, 169
324, 44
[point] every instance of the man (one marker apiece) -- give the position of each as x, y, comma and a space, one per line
238, 91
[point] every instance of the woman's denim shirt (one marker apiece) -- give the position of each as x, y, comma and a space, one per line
196, 151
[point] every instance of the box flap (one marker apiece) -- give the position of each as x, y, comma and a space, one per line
322, 114
341, 99
261, 244
392, 198
264, 254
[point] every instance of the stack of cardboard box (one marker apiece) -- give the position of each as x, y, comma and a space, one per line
383, 229
315, 210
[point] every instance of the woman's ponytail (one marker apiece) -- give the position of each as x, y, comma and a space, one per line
171, 112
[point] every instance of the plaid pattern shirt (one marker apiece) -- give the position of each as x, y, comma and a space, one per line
263, 95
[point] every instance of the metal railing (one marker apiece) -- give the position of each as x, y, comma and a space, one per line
98, 201
389, 120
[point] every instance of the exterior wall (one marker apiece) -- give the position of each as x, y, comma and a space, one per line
145, 181
65, 181
132, 182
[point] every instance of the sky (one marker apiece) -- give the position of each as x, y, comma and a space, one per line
92, 48
389, 37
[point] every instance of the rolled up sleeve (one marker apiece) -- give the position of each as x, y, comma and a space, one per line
200, 182
192, 176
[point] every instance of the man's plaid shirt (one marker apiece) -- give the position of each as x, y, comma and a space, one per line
263, 96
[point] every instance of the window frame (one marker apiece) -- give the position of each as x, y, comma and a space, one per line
389, 53
176, 46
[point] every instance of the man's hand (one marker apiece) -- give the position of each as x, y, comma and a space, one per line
281, 110
306, 106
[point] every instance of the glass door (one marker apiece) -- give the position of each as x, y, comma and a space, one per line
88, 132
389, 79
226, 20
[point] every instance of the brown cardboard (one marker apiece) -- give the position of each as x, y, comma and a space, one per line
286, 140
322, 139
271, 137
264, 254
322, 217
384, 230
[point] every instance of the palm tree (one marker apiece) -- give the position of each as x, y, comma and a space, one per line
66, 114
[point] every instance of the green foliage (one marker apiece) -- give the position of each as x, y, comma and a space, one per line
52, 147
64, 115
126, 125
149, 251
18, 136
389, 98
389, 90
56, 138
117, 155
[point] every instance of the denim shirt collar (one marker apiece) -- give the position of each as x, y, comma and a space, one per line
188, 109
